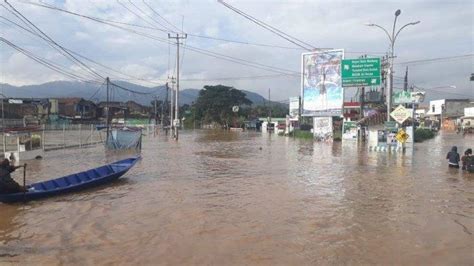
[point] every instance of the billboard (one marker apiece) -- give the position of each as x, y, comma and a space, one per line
322, 92
322, 128
294, 106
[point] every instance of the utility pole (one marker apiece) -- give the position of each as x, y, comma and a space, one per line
269, 106
362, 96
405, 80
172, 106
107, 110
178, 37
167, 106
162, 107
156, 120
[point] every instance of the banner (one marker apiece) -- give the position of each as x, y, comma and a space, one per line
349, 130
294, 107
322, 128
322, 92
402, 97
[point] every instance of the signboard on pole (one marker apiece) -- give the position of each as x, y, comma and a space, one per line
361, 72
294, 108
349, 130
322, 128
401, 136
390, 125
402, 97
322, 92
400, 114
15, 101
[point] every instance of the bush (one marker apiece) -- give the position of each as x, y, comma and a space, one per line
302, 134
422, 134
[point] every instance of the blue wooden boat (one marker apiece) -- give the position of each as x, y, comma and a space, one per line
74, 182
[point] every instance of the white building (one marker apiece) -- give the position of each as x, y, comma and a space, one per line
448, 108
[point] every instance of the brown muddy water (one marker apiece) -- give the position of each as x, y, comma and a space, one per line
229, 198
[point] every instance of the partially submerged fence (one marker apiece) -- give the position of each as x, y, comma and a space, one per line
71, 136
63, 136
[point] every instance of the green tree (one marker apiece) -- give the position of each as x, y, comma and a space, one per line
214, 104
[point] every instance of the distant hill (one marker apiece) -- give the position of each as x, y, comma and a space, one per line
60, 89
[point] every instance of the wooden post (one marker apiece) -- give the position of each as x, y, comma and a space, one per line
24, 182
92, 132
42, 137
80, 136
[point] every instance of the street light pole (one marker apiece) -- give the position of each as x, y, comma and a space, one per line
3, 112
3, 123
392, 37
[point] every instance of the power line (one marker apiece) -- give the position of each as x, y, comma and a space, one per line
97, 91
243, 78
86, 58
448, 92
448, 58
133, 12
77, 60
144, 13
156, 13
46, 63
278, 32
194, 49
67, 55
134, 91
189, 34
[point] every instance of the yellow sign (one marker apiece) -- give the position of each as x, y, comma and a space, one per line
402, 136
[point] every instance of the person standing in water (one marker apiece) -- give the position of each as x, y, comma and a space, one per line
466, 159
453, 157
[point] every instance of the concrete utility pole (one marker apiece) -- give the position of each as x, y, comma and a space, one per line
3, 112
107, 110
392, 37
269, 107
156, 99
162, 108
178, 37
172, 107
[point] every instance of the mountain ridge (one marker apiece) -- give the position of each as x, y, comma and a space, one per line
88, 91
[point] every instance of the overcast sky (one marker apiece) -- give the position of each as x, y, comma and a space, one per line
446, 30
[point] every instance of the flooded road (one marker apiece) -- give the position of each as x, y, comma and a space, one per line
229, 198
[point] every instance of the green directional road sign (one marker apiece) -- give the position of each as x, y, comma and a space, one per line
360, 72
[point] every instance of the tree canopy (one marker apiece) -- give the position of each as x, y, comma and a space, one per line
214, 103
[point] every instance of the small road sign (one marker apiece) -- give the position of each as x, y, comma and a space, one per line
402, 136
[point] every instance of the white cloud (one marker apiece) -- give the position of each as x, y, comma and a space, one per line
444, 31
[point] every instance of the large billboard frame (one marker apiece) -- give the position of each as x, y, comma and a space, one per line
327, 112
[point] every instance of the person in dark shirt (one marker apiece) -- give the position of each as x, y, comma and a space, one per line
453, 157
466, 159
7, 184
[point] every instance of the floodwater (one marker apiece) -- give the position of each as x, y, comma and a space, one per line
230, 198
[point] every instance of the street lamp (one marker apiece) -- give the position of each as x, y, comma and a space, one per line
3, 123
3, 113
392, 37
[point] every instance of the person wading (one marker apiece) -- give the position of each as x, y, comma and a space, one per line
453, 157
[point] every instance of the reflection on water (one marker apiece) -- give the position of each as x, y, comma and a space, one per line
234, 198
